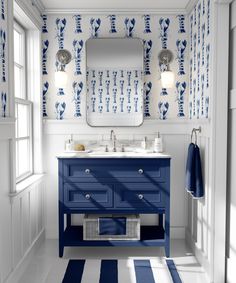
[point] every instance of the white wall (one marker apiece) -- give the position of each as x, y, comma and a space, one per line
231, 202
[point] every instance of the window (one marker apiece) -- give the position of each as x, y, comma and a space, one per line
23, 107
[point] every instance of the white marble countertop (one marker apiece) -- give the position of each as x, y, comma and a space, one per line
96, 154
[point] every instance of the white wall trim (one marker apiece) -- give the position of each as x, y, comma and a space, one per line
232, 99
25, 186
189, 7
116, 11
150, 126
24, 262
39, 5
29, 14
233, 16
218, 154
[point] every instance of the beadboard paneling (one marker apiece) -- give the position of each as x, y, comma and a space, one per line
199, 232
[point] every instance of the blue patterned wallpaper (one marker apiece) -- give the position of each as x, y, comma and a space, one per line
157, 32
3, 59
114, 91
200, 56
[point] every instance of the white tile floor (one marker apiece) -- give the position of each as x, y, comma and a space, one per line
47, 255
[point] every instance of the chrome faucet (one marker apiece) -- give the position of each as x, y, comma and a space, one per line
113, 138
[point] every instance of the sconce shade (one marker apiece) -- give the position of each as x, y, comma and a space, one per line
167, 79
61, 79
63, 57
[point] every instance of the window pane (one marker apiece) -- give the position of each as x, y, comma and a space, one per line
23, 120
16, 114
18, 47
18, 72
17, 161
23, 156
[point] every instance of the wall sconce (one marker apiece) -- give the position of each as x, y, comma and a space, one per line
167, 76
63, 56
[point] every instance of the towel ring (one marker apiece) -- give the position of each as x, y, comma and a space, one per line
194, 131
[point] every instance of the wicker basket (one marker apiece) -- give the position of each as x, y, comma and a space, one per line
91, 228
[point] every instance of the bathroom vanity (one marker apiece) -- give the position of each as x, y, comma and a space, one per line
114, 183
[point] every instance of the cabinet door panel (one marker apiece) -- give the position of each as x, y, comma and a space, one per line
140, 195
88, 195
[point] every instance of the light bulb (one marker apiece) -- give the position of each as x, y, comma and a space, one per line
61, 79
167, 79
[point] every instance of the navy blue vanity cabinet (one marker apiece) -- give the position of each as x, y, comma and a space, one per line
117, 186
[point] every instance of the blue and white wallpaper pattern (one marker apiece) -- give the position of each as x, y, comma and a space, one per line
3, 59
114, 91
200, 57
157, 32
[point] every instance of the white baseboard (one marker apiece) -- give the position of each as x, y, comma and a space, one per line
21, 266
200, 256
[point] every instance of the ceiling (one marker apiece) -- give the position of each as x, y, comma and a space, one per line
115, 4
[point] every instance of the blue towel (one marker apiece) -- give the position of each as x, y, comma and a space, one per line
194, 182
112, 226
190, 172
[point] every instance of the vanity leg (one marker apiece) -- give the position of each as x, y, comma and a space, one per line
167, 232
61, 250
68, 220
61, 231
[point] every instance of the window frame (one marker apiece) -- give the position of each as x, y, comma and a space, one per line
24, 100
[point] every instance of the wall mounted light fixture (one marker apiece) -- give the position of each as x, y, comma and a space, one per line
167, 76
64, 57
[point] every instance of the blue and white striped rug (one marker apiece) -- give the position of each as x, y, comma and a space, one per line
156, 270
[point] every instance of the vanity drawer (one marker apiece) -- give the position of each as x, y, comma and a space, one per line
119, 169
140, 195
88, 195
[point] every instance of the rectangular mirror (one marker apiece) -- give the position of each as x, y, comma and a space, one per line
114, 82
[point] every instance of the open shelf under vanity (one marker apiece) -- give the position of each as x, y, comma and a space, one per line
149, 236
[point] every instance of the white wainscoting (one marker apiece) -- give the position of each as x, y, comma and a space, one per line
22, 218
5, 210
27, 219
199, 233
